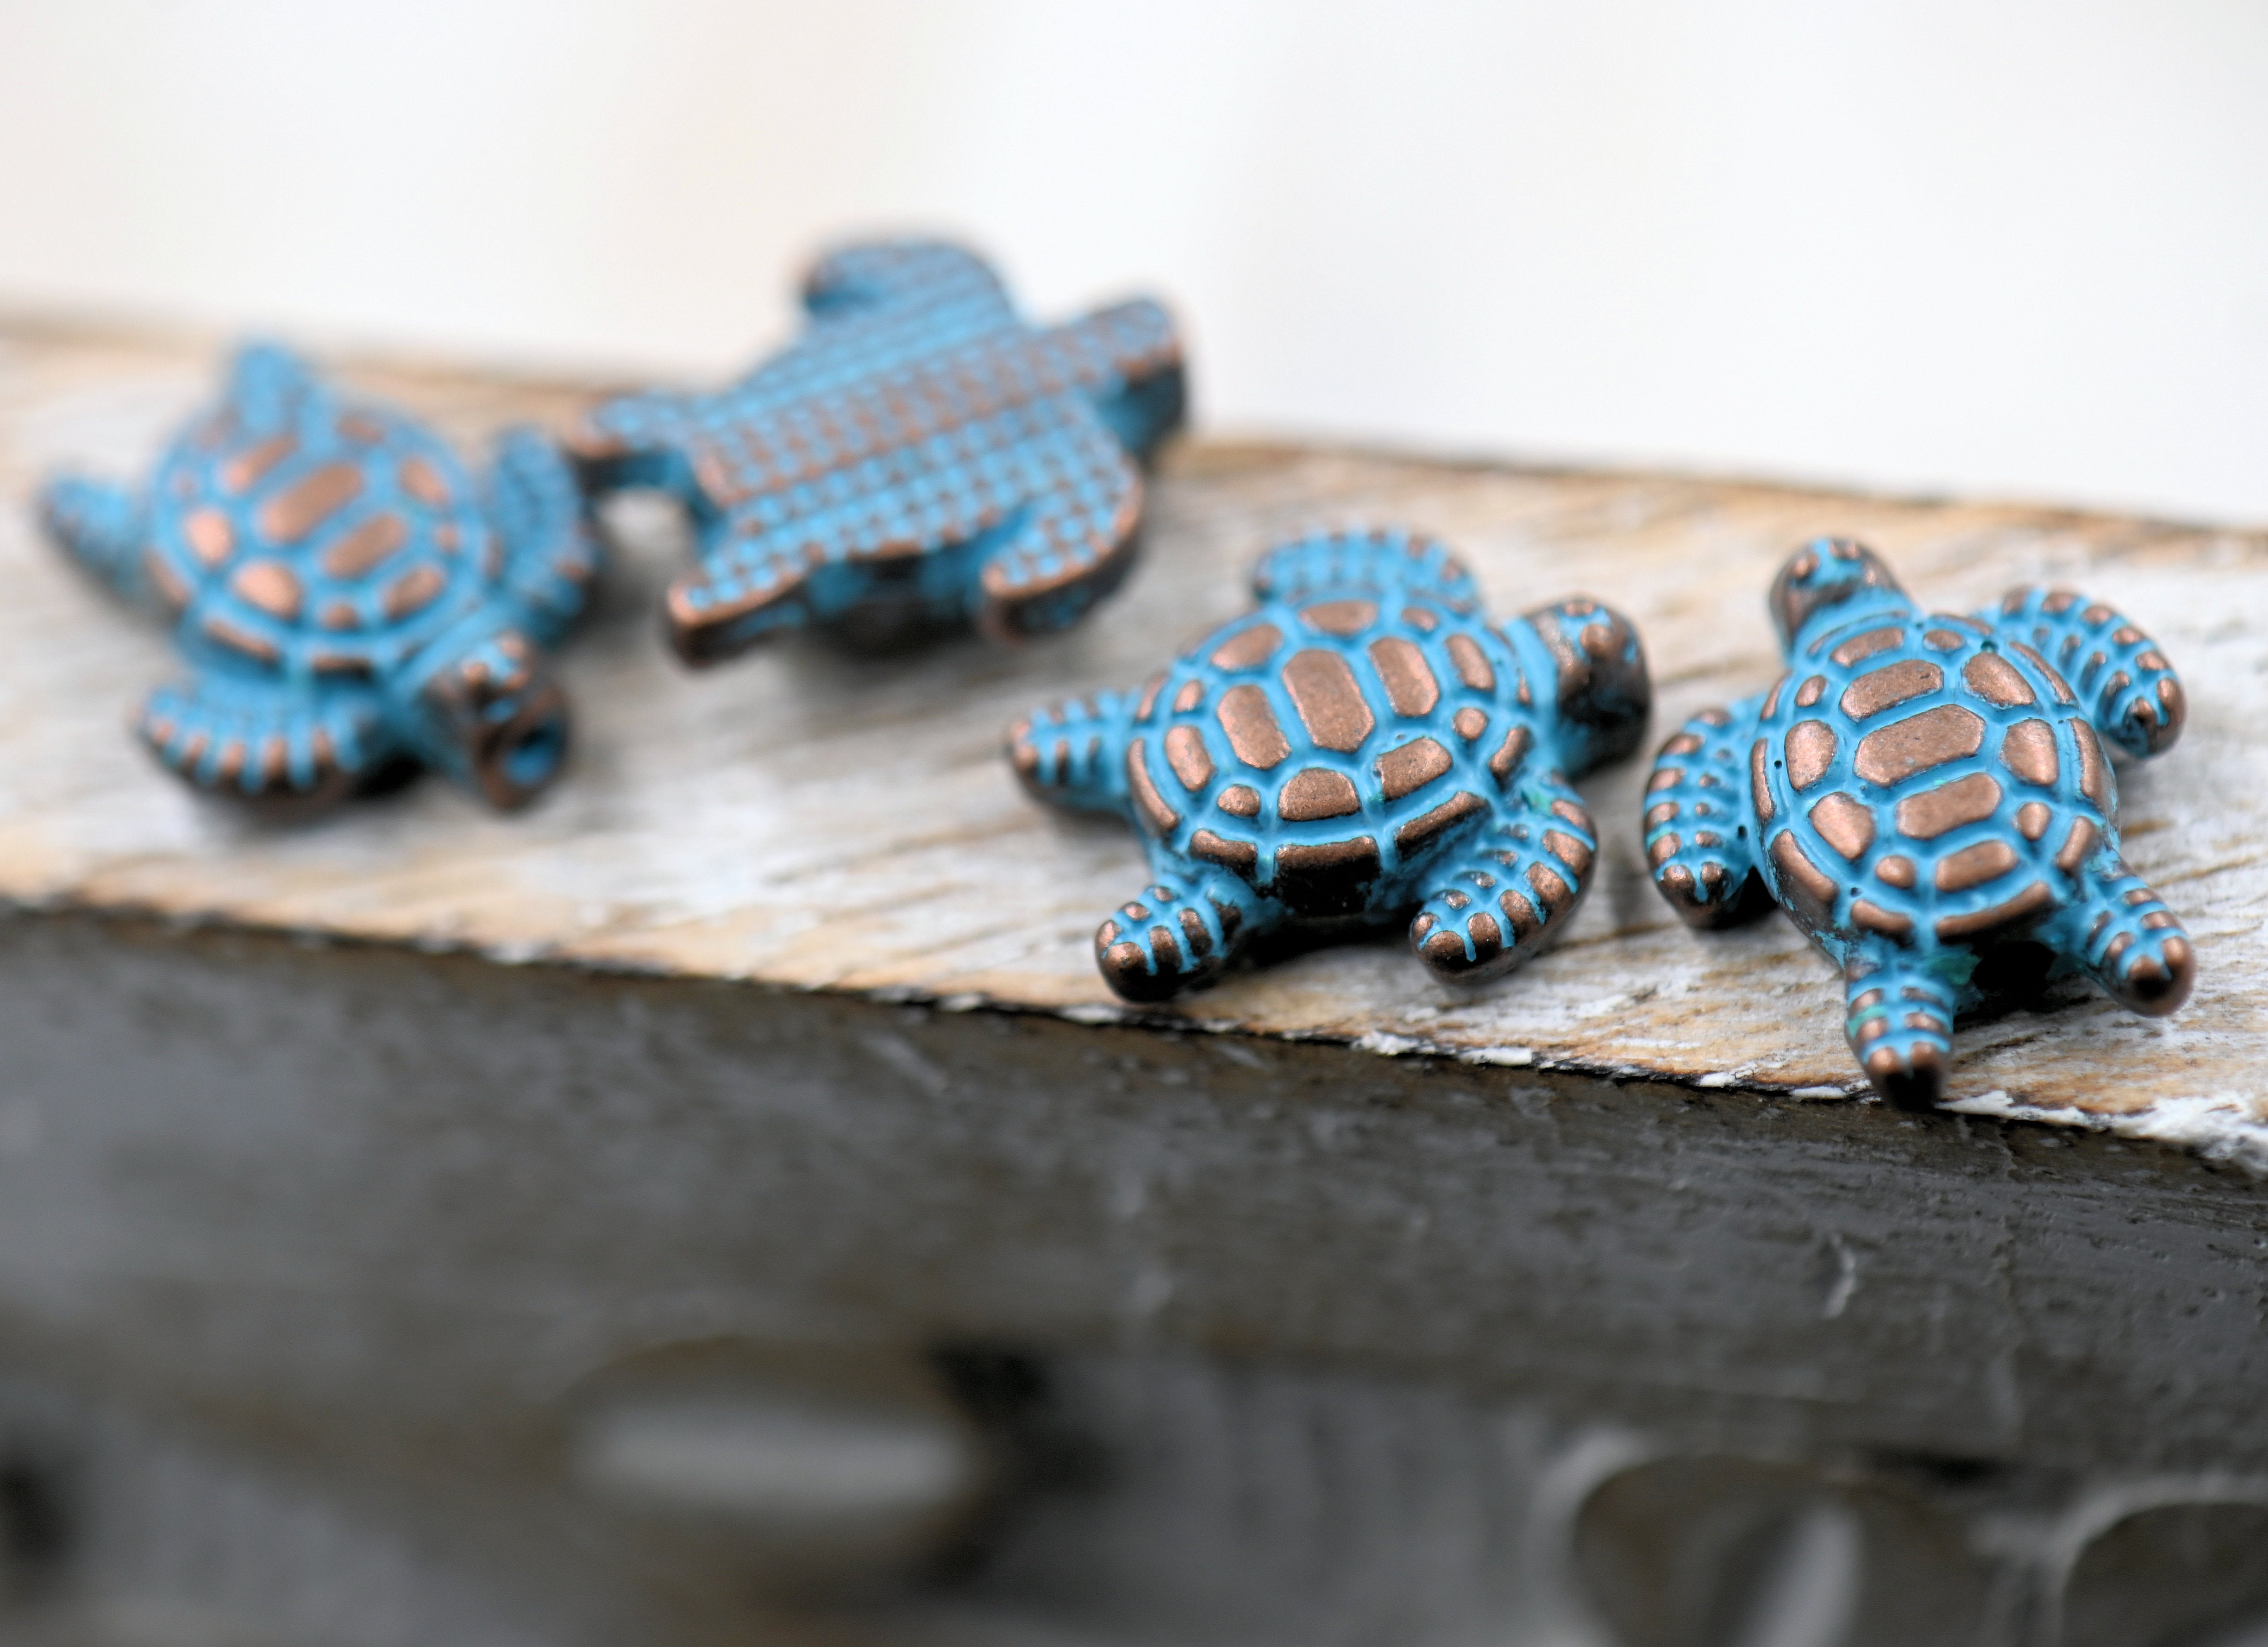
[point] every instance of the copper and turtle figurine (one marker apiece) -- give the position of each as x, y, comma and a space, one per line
349, 601
1365, 748
920, 459
1919, 790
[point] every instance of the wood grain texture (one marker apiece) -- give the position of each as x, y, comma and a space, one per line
811, 820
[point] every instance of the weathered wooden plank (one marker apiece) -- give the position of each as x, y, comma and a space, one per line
814, 821
394, 1220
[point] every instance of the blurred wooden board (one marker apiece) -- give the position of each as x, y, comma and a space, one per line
808, 820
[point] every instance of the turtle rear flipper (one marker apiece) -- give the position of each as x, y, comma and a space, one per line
1074, 752
551, 558
1698, 839
99, 525
2126, 939
748, 588
1071, 544
250, 742
1375, 562
1180, 936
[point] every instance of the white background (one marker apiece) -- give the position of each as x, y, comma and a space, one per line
1997, 245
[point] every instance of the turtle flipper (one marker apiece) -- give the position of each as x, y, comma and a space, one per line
2124, 938
1513, 888
640, 440
1698, 834
870, 275
747, 589
246, 740
2124, 682
100, 526
1899, 1019
549, 555
1072, 545
1374, 560
1074, 753
1177, 937
1137, 381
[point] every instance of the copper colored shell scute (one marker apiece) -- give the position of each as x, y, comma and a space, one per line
1364, 748
1928, 796
920, 459
350, 601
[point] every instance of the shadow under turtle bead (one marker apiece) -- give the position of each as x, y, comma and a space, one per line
1362, 746
1919, 790
349, 600
920, 459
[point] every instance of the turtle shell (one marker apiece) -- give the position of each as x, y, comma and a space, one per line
320, 539
1321, 749
1925, 778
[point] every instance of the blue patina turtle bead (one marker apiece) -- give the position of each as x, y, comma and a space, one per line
920, 459
1923, 792
1366, 748
350, 602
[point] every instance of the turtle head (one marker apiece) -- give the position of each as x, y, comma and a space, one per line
1600, 681
490, 714
1832, 581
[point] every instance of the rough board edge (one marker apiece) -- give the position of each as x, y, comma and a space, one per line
2197, 1128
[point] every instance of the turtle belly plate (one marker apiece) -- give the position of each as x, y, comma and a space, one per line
1329, 752
1927, 782
330, 546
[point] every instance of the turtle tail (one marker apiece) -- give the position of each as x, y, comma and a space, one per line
1900, 1023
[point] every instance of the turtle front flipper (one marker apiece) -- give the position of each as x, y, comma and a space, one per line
2127, 688
551, 557
1898, 1015
2124, 938
1074, 753
100, 526
1699, 838
252, 740
1179, 936
1513, 891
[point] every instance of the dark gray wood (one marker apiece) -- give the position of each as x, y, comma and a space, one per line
389, 1217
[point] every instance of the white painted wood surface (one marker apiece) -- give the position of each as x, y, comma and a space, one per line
807, 819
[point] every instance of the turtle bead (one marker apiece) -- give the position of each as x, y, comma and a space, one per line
350, 601
919, 459
1364, 748
1921, 791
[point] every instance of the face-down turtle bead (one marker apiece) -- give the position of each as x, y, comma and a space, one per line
1920, 790
351, 601
920, 459
1365, 748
